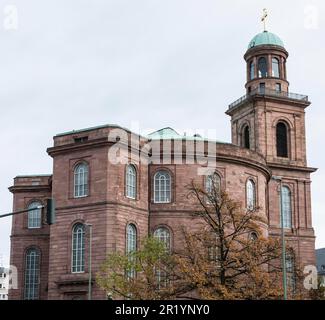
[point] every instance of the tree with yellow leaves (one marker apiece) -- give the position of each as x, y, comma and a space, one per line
231, 258
228, 258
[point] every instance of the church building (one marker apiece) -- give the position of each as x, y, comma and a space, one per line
139, 188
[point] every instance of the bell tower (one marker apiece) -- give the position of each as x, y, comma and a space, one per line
270, 120
266, 64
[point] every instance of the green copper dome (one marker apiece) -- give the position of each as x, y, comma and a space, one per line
265, 38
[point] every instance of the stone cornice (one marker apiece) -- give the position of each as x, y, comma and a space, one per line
96, 143
22, 188
291, 167
102, 203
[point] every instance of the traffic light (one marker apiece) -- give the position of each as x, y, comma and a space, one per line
50, 211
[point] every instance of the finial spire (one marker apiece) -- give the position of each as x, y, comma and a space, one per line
265, 14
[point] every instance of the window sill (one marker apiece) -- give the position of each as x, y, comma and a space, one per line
155, 202
131, 198
80, 197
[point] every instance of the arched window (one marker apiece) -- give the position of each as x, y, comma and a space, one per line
246, 137
281, 140
78, 248
32, 274
262, 68
291, 276
212, 242
131, 238
131, 245
163, 235
250, 194
275, 68
131, 182
81, 180
162, 187
286, 207
34, 215
213, 185
252, 70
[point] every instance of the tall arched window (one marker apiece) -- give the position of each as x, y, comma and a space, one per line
163, 235
81, 180
252, 70
78, 248
213, 247
32, 274
213, 184
131, 245
250, 194
262, 68
34, 215
291, 276
162, 187
246, 137
131, 238
286, 207
275, 68
281, 140
131, 182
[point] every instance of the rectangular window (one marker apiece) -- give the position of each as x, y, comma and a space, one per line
34, 219
262, 88
286, 208
162, 187
80, 139
278, 87
81, 180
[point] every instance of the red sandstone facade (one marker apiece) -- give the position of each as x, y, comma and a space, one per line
109, 211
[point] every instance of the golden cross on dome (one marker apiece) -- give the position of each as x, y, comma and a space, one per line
264, 18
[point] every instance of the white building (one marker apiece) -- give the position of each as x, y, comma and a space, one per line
4, 283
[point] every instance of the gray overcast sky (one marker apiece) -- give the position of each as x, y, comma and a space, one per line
74, 64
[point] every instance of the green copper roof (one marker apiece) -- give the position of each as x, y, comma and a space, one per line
165, 133
265, 38
169, 133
